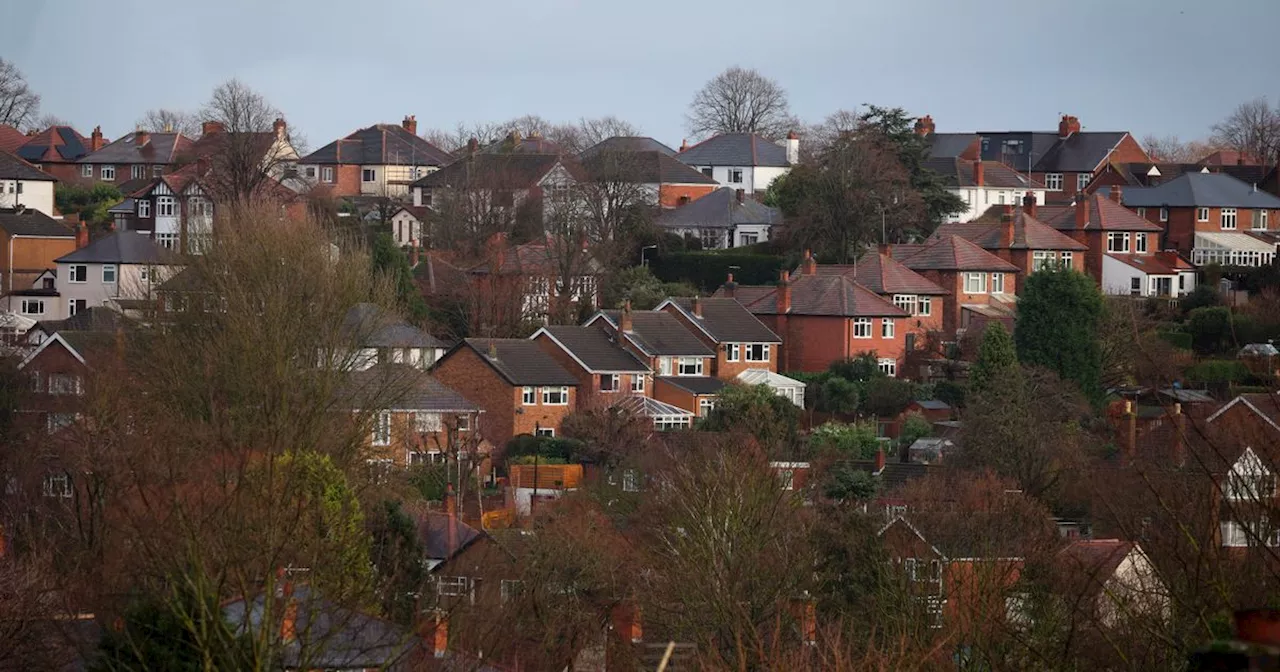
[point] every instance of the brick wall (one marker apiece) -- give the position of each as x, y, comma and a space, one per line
33, 254
476, 381
669, 195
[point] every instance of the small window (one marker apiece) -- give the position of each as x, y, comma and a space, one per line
888, 367
906, 302
57, 421
975, 283
368, 175
925, 306
544, 431
86, 170
1041, 260
157, 171
1135, 286
705, 406
426, 423
886, 327
731, 352
526, 396
108, 173
144, 208
109, 274
165, 206
609, 382
464, 423
63, 383
689, 366
310, 172
1082, 180
57, 485
1139, 242
1117, 242
1258, 221
1164, 214
1202, 214
997, 283
630, 480
555, 396
1066, 259
707, 171
862, 327
77, 305
758, 352
137, 171
453, 586
1142, 212
32, 307
1053, 181
382, 429
1228, 219
735, 176
637, 383
326, 174
79, 273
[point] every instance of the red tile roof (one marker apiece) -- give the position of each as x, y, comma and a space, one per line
953, 253
828, 295
1160, 263
1028, 232
1103, 214
1094, 560
11, 138
883, 274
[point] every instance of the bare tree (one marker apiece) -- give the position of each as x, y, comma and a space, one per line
253, 146
18, 103
1253, 129
162, 120
741, 101
1170, 148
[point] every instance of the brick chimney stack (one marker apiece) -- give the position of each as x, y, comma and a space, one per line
739, 194
410, 124
279, 127
1082, 211
1029, 204
924, 125
729, 287
1116, 194
95, 139
82, 236
141, 138
473, 145
1006, 227
979, 173
809, 265
624, 322
1068, 126
697, 306
211, 127
684, 144
433, 630
784, 292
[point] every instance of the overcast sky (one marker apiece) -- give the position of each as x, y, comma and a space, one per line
1161, 66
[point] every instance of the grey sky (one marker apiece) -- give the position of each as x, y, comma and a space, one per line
1162, 66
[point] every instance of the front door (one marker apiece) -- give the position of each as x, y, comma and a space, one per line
1164, 286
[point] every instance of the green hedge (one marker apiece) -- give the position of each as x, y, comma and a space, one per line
708, 270
1218, 371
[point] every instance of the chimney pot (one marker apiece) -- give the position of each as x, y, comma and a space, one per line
624, 322
473, 145
729, 287
82, 236
95, 139
279, 127
141, 137
684, 144
410, 124
924, 125
784, 293
809, 266
1068, 126
211, 127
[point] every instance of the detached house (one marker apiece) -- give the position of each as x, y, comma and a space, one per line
381, 160
1021, 239
915, 294
1211, 217
521, 388
647, 163
21, 184
121, 268
58, 149
825, 318
979, 284
601, 364
982, 184
140, 155
743, 161
681, 363
1125, 255
722, 219
500, 191
384, 338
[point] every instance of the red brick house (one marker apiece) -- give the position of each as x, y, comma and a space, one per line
825, 318
1022, 240
647, 162
602, 365
980, 284
520, 388
141, 155
740, 340
58, 149
920, 297
1211, 218
381, 160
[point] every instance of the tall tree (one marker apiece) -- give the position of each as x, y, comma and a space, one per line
1173, 149
1253, 129
739, 100
912, 149
1059, 313
162, 120
249, 150
997, 359
19, 105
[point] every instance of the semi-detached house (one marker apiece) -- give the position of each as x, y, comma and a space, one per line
1021, 239
980, 285
121, 268
743, 161
380, 160
22, 184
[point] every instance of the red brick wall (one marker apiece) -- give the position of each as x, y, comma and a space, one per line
669, 194
475, 380
720, 367
404, 438
1128, 151
812, 342
675, 396
54, 359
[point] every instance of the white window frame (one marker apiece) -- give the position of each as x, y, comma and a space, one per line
144, 207
1258, 220
1142, 212
561, 391
637, 383
65, 383
1227, 218
1041, 260
1164, 214
27, 304
1140, 242
705, 406
630, 480
137, 171
83, 274
736, 173
888, 366
453, 586
997, 283
732, 352
1065, 258
975, 283
57, 485
1122, 239
109, 270
527, 397
906, 302
887, 329
614, 381
664, 366
368, 175
166, 206
326, 174
548, 432
1053, 181
689, 366
924, 306
107, 173
425, 422
757, 352
381, 435
862, 327
86, 170
56, 421
1202, 214
1083, 180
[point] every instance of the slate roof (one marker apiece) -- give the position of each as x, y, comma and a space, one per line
403, 388
735, 149
12, 167
1029, 233
599, 351
699, 385
60, 144
330, 636
628, 143
1140, 174
499, 171
953, 253
380, 144
11, 138
950, 145
1200, 190
725, 320
434, 532
960, 173
376, 328
646, 167
97, 318
1103, 214
883, 274
160, 148
1078, 153
660, 334
826, 295
32, 222
520, 361
121, 247
933, 405
719, 209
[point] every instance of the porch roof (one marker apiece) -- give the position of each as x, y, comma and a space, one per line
1225, 240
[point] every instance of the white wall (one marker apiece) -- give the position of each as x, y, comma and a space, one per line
36, 194
129, 284
405, 227
761, 230
1117, 276
754, 178
977, 200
